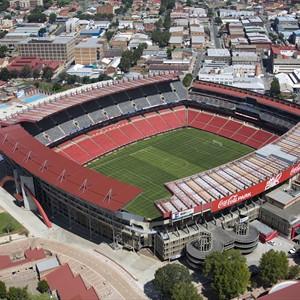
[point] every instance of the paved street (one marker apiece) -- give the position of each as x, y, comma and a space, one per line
214, 35
116, 283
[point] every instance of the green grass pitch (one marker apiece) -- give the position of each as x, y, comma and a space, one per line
150, 163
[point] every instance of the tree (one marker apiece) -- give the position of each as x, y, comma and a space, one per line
103, 77
8, 228
126, 61
47, 73
185, 291
4, 74
187, 80
294, 272
47, 3
166, 277
36, 73
167, 22
13, 73
71, 79
2, 290
3, 51
273, 267
3, 33
160, 37
109, 34
189, 3
43, 286
52, 18
229, 273
275, 88
26, 72
169, 53
56, 87
218, 20
4, 5
42, 31
37, 16
17, 294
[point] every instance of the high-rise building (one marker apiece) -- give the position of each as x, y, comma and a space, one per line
51, 48
89, 51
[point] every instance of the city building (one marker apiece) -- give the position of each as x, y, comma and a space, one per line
282, 209
89, 51
72, 25
214, 54
105, 9
60, 48
26, 4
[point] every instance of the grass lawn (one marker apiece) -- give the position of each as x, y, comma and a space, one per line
150, 163
5, 219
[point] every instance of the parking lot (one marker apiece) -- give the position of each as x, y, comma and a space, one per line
280, 244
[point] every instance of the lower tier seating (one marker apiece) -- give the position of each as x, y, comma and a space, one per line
97, 142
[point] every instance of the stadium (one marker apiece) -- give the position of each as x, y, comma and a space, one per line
147, 164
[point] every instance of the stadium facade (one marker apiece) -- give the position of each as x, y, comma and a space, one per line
47, 146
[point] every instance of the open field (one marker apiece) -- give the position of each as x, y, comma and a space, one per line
8, 224
150, 163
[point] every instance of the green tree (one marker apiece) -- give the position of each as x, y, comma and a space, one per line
229, 273
166, 277
3, 33
103, 77
169, 53
210, 12
160, 37
17, 294
187, 80
218, 20
56, 87
3, 51
185, 291
36, 73
37, 16
2, 290
47, 3
71, 79
273, 266
126, 61
52, 18
275, 88
8, 228
167, 22
189, 3
109, 34
294, 272
47, 73
4, 74
26, 72
42, 31
43, 286
4, 5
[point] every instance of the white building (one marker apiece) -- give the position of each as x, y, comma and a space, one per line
72, 25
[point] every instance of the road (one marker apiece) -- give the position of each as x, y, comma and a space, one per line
198, 62
118, 283
214, 34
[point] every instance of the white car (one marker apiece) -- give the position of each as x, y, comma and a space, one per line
272, 243
292, 251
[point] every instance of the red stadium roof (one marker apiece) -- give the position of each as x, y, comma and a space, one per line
54, 169
71, 98
236, 92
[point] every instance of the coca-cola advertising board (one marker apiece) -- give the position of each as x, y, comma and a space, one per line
256, 189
